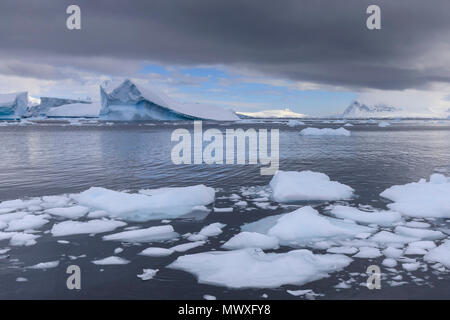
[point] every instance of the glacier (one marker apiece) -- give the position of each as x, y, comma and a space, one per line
13, 105
130, 101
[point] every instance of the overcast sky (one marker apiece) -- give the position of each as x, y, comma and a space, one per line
313, 56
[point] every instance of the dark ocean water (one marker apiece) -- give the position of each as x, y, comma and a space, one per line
52, 159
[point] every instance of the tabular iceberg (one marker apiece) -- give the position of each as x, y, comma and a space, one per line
130, 101
13, 105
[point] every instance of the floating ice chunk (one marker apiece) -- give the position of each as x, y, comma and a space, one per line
325, 132
23, 239
156, 252
415, 251
3, 225
252, 268
251, 240
66, 228
118, 250
26, 223
308, 293
7, 210
426, 244
305, 225
223, 209
55, 201
381, 218
391, 252
147, 274
45, 265
440, 254
209, 297
19, 204
13, 105
348, 125
343, 285
12, 216
158, 204
389, 237
21, 279
423, 234
421, 199
413, 266
241, 203
159, 233
213, 229
288, 186
110, 261
70, 212
389, 262
3, 251
368, 253
343, 250
187, 246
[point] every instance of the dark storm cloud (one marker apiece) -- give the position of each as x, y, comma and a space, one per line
308, 40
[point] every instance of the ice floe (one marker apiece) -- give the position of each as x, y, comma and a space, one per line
147, 274
45, 265
156, 252
252, 268
421, 199
305, 225
74, 212
66, 228
148, 204
158, 233
113, 260
288, 186
440, 254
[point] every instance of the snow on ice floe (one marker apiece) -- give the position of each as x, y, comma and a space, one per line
381, 218
158, 233
288, 186
304, 226
148, 204
421, 199
251, 240
19, 238
252, 268
423, 234
325, 132
66, 228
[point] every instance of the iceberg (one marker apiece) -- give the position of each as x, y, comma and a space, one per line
131, 101
49, 104
252, 268
325, 132
13, 106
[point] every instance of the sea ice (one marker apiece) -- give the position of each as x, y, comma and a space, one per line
45, 265
422, 234
147, 274
187, 246
288, 186
28, 222
421, 199
155, 204
156, 252
252, 268
159, 233
368, 253
66, 228
440, 254
305, 225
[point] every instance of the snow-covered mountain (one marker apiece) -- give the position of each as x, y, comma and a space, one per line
277, 113
360, 110
131, 101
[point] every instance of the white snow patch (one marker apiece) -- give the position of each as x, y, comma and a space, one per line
251, 240
89, 227
113, 260
158, 233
